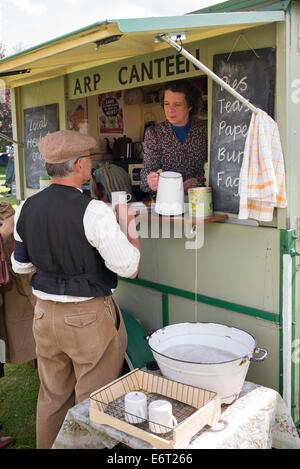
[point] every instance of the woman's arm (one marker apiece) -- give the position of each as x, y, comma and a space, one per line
151, 158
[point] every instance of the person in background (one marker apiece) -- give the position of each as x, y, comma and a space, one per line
18, 301
75, 248
6, 229
108, 178
178, 144
10, 167
5, 441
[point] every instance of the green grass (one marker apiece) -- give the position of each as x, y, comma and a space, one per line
4, 190
18, 396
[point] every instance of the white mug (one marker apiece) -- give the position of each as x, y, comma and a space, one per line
136, 407
120, 197
161, 419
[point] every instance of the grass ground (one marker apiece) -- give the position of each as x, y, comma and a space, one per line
4, 190
18, 395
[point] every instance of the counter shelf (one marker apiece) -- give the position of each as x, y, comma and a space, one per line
152, 215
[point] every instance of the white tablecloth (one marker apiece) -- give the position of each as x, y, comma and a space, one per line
259, 419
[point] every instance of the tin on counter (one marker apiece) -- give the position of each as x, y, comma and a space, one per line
198, 196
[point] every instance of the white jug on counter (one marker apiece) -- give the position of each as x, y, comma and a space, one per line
170, 194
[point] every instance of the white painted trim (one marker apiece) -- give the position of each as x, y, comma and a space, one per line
287, 329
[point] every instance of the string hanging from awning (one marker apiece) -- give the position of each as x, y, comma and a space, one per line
166, 38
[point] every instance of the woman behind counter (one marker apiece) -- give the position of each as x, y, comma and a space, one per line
178, 144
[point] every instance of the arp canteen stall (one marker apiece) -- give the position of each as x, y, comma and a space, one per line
245, 274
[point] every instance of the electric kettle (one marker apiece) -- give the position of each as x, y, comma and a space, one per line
170, 194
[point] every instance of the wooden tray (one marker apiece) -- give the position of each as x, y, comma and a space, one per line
193, 408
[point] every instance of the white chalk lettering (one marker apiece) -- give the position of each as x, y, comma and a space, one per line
36, 156
232, 106
238, 85
233, 130
228, 181
220, 175
232, 157
231, 182
38, 124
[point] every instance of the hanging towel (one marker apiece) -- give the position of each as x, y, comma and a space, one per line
262, 176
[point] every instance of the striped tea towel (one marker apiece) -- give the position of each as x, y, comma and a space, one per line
262, 176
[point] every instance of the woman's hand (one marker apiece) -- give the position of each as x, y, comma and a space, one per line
152, 180
192, 182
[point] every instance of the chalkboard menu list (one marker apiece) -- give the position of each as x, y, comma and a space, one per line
251, 74
38, 122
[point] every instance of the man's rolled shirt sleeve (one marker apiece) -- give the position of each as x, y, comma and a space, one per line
20, 260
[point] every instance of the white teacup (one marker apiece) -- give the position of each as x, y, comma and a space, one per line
161, 419
120, 197
136, 407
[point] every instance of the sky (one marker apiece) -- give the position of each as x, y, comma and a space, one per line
26, 23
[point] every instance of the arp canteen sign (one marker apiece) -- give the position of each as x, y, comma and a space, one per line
131, 73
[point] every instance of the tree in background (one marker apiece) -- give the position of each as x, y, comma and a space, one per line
5, 112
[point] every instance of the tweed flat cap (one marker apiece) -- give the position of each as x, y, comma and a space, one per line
65, 145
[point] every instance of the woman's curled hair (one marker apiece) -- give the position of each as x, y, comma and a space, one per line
192, 94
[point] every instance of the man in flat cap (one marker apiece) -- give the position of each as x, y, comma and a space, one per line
76, 248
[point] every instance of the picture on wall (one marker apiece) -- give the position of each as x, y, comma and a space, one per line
77, 115
110, 113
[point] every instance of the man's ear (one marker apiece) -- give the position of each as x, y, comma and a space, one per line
77, 165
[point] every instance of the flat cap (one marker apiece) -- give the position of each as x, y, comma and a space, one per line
65, 145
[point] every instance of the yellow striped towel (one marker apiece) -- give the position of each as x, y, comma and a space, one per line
262, 176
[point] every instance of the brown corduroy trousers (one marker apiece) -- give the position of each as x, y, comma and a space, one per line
80, 347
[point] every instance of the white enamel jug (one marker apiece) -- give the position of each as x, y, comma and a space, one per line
170, 194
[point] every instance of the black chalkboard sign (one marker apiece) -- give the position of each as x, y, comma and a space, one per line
38, 122
252, 76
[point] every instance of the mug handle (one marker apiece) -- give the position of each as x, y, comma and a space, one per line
173, 421
129, 197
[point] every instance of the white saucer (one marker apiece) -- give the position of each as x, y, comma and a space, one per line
136, 204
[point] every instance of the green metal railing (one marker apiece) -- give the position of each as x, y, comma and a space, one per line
168, 290
288, 246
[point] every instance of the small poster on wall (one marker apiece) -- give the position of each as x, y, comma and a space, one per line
77, 115
110, 113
